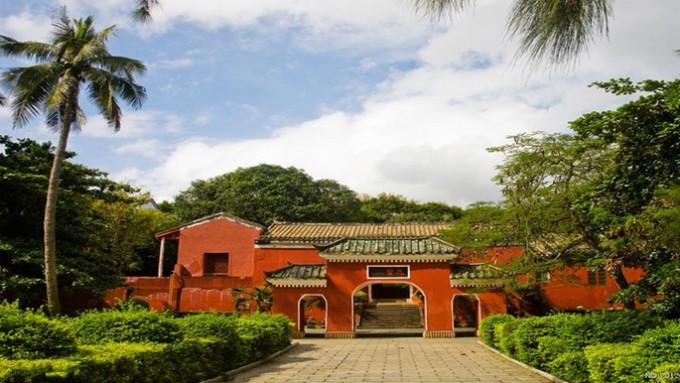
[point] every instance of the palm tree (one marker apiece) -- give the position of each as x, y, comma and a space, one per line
75, 57
142, 11
556, 31
3, 100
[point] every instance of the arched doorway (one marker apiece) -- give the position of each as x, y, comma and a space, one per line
312, 314
389, 306
466, 314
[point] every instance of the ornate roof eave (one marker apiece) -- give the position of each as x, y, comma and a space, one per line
297, 282
285, 245
173, 233
477, 283
388, 258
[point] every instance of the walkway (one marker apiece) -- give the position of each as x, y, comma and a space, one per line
389, 360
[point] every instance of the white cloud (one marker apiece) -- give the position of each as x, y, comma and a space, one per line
423, 132
149, 148
177, 63
26, 26
135, 124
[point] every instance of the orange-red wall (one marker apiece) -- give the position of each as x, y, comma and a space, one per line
218, 236
568, 289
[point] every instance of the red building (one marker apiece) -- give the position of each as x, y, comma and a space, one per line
341, 279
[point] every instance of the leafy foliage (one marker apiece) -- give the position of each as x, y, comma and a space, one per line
265, 193
396, 208
103, 234
97, 327
31, 335
487, 328
602, 197
76, 56
607, 346
213, 343
262, 334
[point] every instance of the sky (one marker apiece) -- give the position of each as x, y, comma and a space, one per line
369, 93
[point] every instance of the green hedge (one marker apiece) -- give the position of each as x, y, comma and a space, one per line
219, 329
208, 345
262, 334
487, 328
31, 335
608, 346
97, 327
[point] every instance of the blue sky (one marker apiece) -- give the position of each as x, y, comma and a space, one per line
366, 93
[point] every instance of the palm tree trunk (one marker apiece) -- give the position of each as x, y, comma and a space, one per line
50, 220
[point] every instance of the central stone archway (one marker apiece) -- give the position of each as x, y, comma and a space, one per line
395, 299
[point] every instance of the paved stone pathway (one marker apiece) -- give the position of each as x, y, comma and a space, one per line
389, 360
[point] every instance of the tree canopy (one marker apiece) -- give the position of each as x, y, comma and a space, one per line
604, 196
75, 57
265, 193
103, 235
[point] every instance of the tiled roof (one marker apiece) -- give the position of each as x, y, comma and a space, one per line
426, 249
298, 275
321, 233
175, 230
400, 246
476, 275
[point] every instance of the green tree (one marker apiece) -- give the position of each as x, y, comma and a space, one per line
96, 247
77, 55
128, 235
483, 225
142, 10
555, 31
265, 193
580, 198
396, 208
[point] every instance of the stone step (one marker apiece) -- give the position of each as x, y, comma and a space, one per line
391, 317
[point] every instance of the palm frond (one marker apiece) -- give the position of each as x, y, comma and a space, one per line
31, 49
441, 8
120, 65
557, 31
143, 9
3, 100
61, 23
112, 85
31, 86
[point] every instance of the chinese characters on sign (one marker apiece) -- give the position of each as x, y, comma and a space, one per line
388, 272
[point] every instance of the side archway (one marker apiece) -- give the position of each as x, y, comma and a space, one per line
466, 313
312, 314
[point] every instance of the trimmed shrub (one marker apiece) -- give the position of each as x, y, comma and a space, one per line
26, 334
132, 304
667, 373
549, 348
656, 347
487, 328
262, 335
528, 334
570, 366
38, 371
96, 327
209, 325
220, 329
612, 362
605, 327
505, 337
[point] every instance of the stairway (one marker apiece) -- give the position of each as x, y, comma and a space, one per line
385, 316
